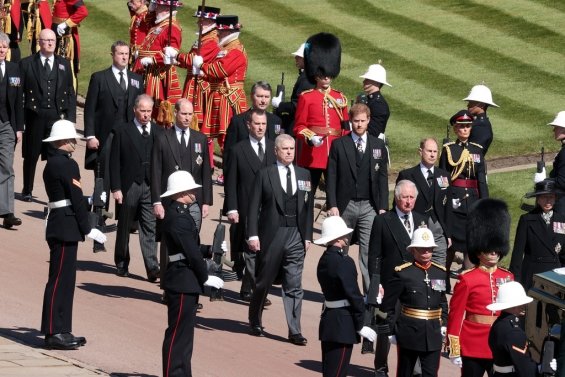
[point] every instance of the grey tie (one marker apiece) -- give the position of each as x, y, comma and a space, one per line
407, 224
430, 178
261, 152
123, 81
360, 146
47, 67
1, 74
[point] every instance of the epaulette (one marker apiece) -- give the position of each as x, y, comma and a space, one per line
450, 143
469, 270
476, 145
307, 91
439, 266
503, 269
402, 266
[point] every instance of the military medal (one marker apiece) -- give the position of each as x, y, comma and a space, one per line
558, 248
304, 185
559, 227
277, 129
500, 281
427, 279
476, 158
134, 83
199, 160
306, 197
197, 147
14, 81
377, 166
176, 167
442, 182
377, 153
438, 285
61, 67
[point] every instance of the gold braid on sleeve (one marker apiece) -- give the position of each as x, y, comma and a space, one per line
454, 346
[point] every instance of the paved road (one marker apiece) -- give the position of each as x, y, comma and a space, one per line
124, 321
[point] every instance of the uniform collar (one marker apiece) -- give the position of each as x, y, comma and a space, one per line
490, 270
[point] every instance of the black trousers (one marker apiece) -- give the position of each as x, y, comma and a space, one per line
315, 176
59, 293
407, 360
335, 359
179, 336
474, 367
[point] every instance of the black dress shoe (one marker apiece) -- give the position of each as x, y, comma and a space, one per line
367, 347
27, 197
81, 340
381, 372
245, 296
153, 276
267, 302
10, 220
256, 331
122, 271
298, 339
199, 306
61, 342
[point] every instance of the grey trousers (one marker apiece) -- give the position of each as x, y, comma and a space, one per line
440, 253
7, 144
359, 215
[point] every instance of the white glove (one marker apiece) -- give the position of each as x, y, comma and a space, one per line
392, 339
146, 61
167, 60
538, 177
224, 246
104, 196
276, 101
316, 140
553, 364
197, 61
457, 361
61, 29
443, 331
214, 282
170, 52
368, 333
97, 235
380, 295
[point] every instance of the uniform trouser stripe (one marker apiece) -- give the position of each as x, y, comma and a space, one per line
174, 334
55, 288
341, 361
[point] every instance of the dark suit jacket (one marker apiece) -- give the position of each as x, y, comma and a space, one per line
166, 159
237, 129
126, 159
241, 167
558, 173
387, 247
537, 247
267, 204
342, 172
427, 203
101, 106
65, 98
14, 97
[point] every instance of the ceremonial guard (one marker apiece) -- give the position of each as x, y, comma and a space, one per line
507, 339
11, 25
540, 236
67, 16
161, 78
469, 324
341, 324
373, 81
464, 160
186, 275
37, 16
558, 172
67, 224
320, 111
141, 21
478, 101
418, 323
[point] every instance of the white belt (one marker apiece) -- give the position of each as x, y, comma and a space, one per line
176, 257
59, 204
507, 369
336, 304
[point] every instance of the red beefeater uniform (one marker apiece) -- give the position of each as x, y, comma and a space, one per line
39, 18
71, 12
156, 84
319, 112
141, 22
198, 90
226, 75
469, 321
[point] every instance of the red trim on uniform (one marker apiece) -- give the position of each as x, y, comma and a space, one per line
341, 361
174, 334
55, 289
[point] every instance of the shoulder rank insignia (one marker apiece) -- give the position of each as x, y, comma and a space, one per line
307, 91
521, 350
439, 266
476, 145
469, 270
402, 266
450, 143
503, 269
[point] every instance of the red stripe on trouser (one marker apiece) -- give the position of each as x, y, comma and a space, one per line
338, 372
174, 335
55, 289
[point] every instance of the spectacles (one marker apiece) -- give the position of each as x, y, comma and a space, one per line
47, 40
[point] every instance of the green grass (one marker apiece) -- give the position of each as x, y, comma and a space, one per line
434, 51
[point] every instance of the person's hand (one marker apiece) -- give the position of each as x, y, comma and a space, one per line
368, 333
170, 52
381, 294
276, 101
316, 140
97, 235
334, 211
224, 247
61, 29
443, 331
538, 177
307, 245
159, 211
146, 61
233, 218
92, 143
448, 243
118, 197
392, 339
19, 135
214, 282
457, 361
205, 210
254, 245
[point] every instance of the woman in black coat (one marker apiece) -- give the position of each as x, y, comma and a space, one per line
540, 236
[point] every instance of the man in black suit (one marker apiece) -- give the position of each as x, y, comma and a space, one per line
357, 183
130, 179
244, 160
47, 82
280, 221
181, 148
433, 184
237, 129
391, 234
11, 129
110, 99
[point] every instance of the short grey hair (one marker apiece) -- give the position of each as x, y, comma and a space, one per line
281, 139
405, 183
143, 97
4, 38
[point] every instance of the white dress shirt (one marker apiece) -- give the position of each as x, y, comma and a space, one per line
116, 72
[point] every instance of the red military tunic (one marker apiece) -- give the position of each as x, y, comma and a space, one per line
319, 112
469, 320
226, 75
141, 22
156, 84
71, 12
198, 90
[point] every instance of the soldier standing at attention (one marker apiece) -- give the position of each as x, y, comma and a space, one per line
141, 21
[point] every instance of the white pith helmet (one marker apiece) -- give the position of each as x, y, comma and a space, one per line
180, 181
559, 120
422, 237
333, 228
376, 72
480, 93
300, 51
509, 295
62, 130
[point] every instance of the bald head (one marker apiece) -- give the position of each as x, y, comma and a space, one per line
47, 41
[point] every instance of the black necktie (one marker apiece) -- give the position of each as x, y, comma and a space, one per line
122, 81
288, 181
182, 142
1, 73
144, 133
47, 67
407, 224
261, 152
430, 177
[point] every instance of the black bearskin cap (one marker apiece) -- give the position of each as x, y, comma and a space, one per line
488, 228
322, 56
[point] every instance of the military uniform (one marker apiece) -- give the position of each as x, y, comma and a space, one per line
67, 223
379, 113
558, 173
470, 321
339, 326
140, 24
465, 162
287, 110
418, 320
509, 347
481, 133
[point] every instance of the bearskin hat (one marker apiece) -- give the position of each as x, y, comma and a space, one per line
488, 228
322, 56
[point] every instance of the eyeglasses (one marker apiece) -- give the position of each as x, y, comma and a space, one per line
47, 40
